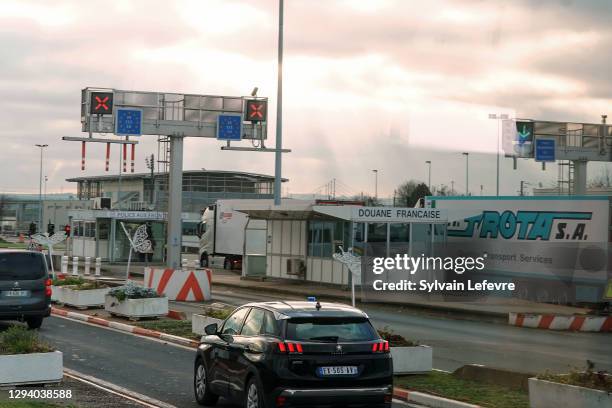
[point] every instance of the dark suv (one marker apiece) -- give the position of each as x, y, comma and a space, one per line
294, 354
25, 287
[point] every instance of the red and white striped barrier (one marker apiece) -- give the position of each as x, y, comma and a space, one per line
560, 322
124, 327
177, 284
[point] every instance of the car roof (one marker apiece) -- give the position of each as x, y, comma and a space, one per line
16, 250
309, 309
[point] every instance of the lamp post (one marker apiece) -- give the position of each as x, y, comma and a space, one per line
40, 203
467, 173
428, 162
498, 118
375, 171
279, 110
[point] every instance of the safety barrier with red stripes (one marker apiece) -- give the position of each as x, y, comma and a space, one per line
562, 322
180, 284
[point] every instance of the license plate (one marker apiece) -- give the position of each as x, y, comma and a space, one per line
17, 293
338, 370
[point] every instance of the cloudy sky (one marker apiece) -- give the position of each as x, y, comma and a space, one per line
368, 84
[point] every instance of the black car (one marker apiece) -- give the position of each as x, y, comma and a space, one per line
294, 354
25, 287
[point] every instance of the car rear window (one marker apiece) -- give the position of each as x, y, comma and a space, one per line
331, 329
21, 266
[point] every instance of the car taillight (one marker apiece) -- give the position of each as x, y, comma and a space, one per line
48, 290
380, 347
292, 348
280, 401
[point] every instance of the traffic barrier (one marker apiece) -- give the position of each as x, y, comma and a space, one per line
98, 266
180, 284
64, 268
75, 266
87, 265
562, 322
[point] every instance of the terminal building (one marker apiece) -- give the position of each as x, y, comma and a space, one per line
134, 199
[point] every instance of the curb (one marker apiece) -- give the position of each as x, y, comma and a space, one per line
125, 327
431, 401
398, 393
580, 323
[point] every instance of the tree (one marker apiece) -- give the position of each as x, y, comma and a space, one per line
408, 193
369, 201
442, 190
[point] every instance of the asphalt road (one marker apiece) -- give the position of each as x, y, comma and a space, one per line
459, 342
146, 366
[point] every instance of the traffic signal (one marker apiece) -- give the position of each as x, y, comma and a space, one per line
67, 230
101, 103
256, 110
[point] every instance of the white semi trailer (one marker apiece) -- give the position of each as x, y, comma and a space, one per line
555, 248
221, 234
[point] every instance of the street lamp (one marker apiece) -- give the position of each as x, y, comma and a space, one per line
375, 171
498, 118
40, 203
467, 174
428, 162
279, 110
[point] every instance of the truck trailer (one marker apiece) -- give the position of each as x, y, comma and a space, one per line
554, 248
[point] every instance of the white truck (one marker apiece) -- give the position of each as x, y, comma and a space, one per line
221, 234
555, 248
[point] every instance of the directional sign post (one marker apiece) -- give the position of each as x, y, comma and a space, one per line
128, 122
545, 150
229, 127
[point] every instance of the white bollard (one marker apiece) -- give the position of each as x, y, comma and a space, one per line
98, 266
75, 266
87, 264
185, 263
64, 265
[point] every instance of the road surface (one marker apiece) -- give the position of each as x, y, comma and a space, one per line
143, 365
459, 342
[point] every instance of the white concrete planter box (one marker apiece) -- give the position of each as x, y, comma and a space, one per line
410, 360
56, 293
83, 298
199, 322
547, 394
34, 368
136, 308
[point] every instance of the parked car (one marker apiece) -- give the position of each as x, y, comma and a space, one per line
288, 354
25, 287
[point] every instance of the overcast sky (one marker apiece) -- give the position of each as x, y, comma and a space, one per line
368, 84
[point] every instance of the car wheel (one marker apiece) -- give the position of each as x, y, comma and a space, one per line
254, 397
201, 387
34, 322
204, 261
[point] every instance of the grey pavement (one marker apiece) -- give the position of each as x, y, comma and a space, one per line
459, 342
143, 365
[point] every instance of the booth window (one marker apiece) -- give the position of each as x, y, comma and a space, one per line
325, 237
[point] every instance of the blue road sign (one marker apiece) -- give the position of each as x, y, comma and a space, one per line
128, 122
545, 150
229, 127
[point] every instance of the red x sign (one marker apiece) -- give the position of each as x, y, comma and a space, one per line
256, 110
101, 103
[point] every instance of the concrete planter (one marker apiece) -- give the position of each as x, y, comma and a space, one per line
56, 293
137, 308
547, 394
83, 298
410, 360
34, 368
199, 322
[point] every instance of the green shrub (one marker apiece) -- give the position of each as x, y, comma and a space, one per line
221, 314
19, 340
68, 280
395, 340
589, 378
133, 291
